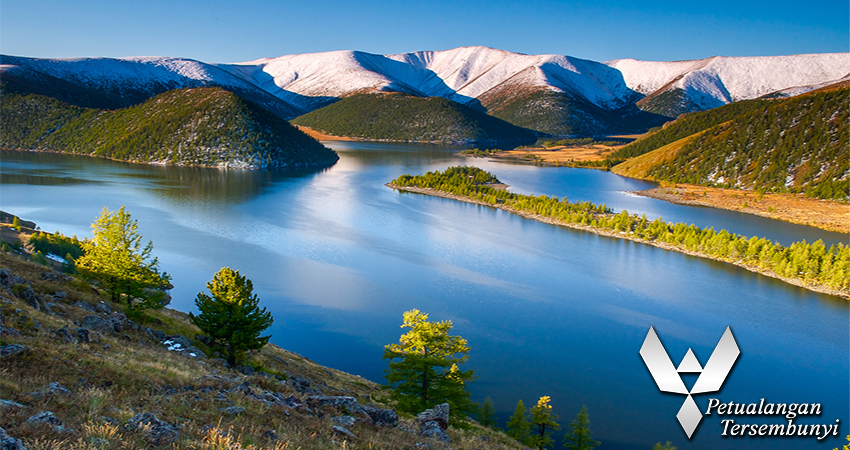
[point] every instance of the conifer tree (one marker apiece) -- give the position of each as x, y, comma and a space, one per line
578, 435
115, 256
668, 446
518, 425
543, 423
486, 412
16, 223
423, 368
231, 317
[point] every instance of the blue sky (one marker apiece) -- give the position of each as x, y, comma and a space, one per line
221, 31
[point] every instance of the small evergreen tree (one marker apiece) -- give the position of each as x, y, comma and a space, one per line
115, 256
16, 223
578, 435
668, 446
543, 423
231, 318
518, 425
486, 412
423, 368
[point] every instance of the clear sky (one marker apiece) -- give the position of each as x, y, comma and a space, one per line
221, 31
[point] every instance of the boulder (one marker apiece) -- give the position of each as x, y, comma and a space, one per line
64, 335
433, 430
385, 417
157, 432
346, 421
439, 414
53, 388
102, 307
84, 305
83, 335
270, 435
97, 323
338, 430
9, 443
54, 276
60, 296
31, 298
342, 403
44, 417
10, 350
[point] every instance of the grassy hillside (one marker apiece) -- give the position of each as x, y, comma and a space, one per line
687, 125
195, 127
638, 166
796, 145
562, 114
401, 117
67, 350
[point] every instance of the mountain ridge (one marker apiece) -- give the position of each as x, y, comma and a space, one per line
479, 77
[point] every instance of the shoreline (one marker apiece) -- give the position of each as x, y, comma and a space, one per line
816, 213
161, 164
549, 220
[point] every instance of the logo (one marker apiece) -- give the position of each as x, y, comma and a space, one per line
711, 376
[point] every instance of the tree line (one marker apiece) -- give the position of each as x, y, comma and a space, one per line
813, 263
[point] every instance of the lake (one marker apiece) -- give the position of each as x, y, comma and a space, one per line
337, 257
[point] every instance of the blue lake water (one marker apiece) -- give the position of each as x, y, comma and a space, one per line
338, 257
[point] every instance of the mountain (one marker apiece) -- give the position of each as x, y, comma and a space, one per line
552, 94
403, 117
794, 145
188, 126
124, 82
673, 88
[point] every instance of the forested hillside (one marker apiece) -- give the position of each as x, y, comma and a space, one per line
795, 145
196, 127
401, 117
687, 125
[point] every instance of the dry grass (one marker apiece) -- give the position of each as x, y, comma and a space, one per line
320, 136
120, 375
825, 214
638, 166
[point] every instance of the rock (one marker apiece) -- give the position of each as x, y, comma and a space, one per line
60, 296
54, 276
386, 417
8, 442
246, 370
83, 335
157, 432
301, 385
117, 320
346, 421
5, 278
233, 410
484, 438
65, 335
10, 350
10, 404
270, 435
439, 414
53, 388
43, 417
102, 307
433, 430
31, 298
84, 305
343, 432
98, 324
345, 404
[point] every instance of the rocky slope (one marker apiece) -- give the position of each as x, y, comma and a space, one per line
79, 371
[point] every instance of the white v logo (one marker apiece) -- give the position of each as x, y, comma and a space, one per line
711, 377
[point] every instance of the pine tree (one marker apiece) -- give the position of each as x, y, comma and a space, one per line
543, 423
423, 369
16, 223
518, 425
486, 412
667, 446
116, 258
578, 435
231, 319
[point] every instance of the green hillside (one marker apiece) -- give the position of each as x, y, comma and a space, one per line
687, 125
795, 145
562, 114
401, 117
193, 127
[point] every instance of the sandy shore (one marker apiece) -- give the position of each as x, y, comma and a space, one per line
621, 235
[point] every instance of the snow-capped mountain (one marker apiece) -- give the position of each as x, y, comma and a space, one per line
513, 86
